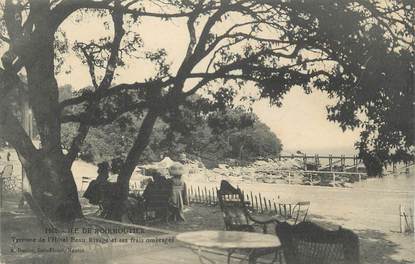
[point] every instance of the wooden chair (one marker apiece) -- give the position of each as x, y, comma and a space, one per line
293, 213
237, 217
236, 214
308, 243
7, 171
7, 182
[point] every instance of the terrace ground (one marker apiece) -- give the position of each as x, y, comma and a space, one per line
370, 209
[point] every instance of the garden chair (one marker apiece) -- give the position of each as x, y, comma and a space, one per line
236, 214
7, 171
308, 243
6, 178
292, 213
5, 181
237, 217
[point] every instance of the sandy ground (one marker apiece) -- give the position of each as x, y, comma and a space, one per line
375, 246
371, 204
370, 209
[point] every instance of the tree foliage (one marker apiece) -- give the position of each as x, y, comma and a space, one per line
337, 46
199, 129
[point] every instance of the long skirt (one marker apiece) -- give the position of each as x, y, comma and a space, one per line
177, 204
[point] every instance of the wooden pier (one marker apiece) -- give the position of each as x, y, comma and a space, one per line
333, 162
340, 163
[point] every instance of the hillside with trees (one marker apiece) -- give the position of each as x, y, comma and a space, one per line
211, 135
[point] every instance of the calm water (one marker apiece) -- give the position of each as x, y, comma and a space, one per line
399, 182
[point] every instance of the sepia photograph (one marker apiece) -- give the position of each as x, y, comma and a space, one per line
207, 131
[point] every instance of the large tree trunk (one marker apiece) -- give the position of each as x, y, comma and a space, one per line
141, 142
49, 173
48, 170
53, 186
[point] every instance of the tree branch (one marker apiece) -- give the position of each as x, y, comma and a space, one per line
117, 17
9, 79
83, 129
99, 121
64, 9
379, 16
13, 20
12, 131
67, 7
100, 94
192, 36
193, 59
77, 142
225, 73
91, 67
140, 143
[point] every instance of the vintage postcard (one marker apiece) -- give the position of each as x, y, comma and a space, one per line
207, 131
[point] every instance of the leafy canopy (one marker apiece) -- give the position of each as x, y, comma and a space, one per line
359, 51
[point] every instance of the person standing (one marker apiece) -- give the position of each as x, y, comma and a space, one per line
178, 197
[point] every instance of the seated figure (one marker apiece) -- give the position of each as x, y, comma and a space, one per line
95, 190
99, 189
156, 194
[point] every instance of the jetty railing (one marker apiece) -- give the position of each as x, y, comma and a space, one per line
340, 162
311, 177
333, 162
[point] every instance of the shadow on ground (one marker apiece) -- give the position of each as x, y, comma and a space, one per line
376, 247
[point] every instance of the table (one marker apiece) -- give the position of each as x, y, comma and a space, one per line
227, 240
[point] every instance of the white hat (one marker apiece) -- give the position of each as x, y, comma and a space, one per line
176, 169
157, 171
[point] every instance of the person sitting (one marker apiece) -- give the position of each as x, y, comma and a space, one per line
95, 193
116, 166
178, 196
157, 193
113, 190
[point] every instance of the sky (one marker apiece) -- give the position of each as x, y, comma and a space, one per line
301, 123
